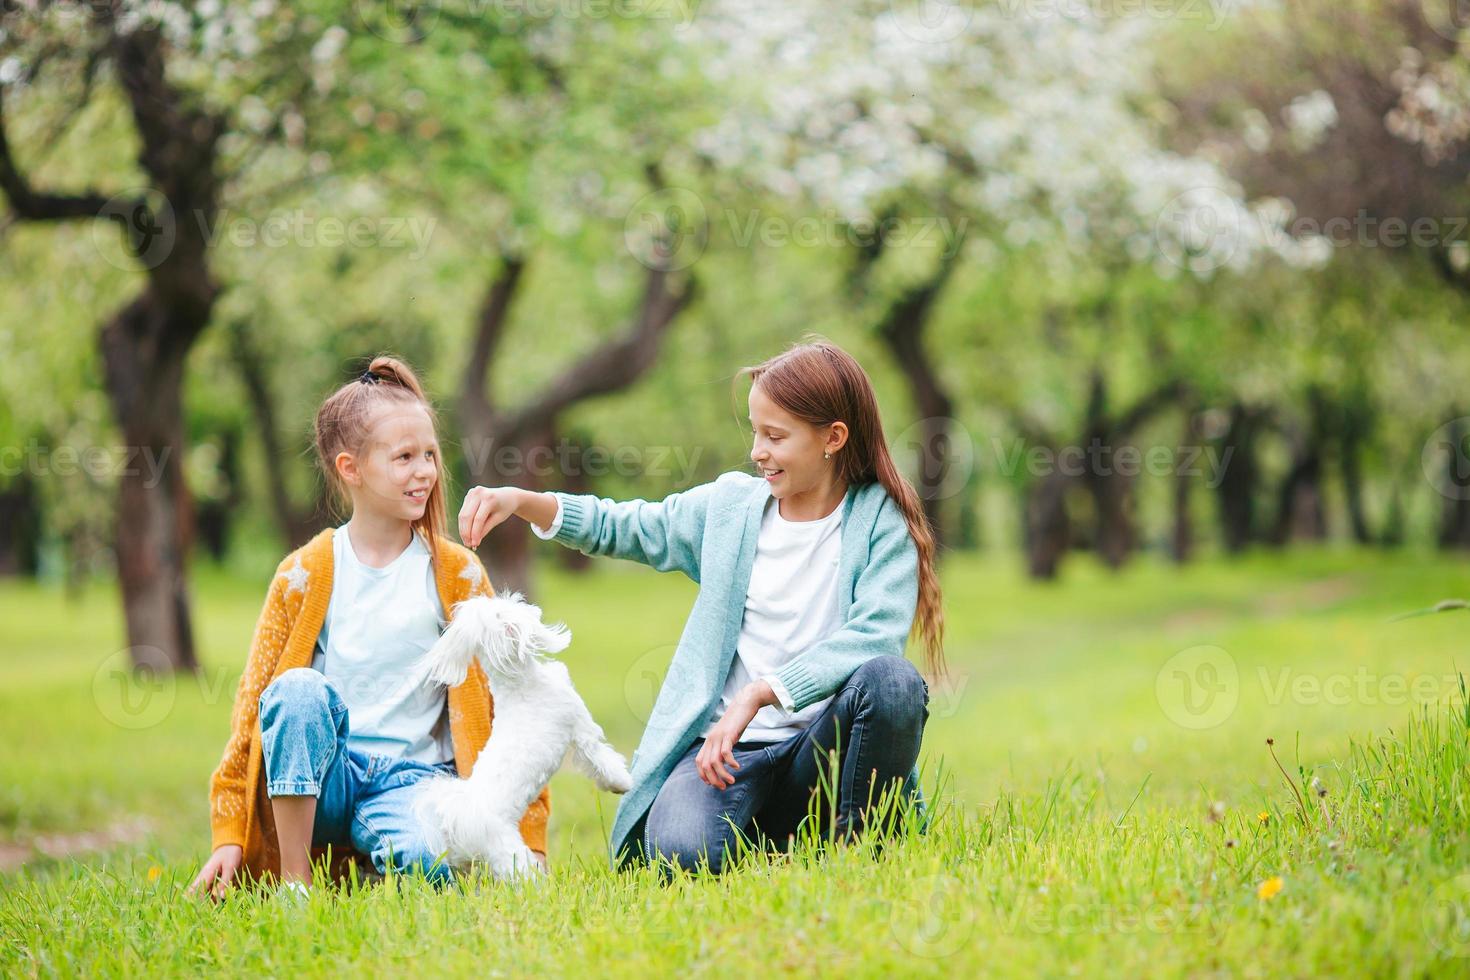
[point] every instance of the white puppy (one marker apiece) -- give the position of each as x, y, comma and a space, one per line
538, 718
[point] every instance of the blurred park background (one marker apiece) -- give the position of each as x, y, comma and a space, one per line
1164, 301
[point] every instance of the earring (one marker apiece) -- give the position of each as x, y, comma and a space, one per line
826, 455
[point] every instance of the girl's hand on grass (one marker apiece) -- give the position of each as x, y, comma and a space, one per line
483, 509
219, 871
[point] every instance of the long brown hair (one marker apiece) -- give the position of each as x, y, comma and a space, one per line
820, 383
342, 426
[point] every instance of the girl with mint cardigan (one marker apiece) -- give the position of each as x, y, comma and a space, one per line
812, 576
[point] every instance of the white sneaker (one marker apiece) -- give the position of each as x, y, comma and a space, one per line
293, 891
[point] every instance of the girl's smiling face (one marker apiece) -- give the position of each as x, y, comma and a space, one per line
789, 451
398, 464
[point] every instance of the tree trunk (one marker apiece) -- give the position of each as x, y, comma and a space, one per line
1392, 535
969, 534
296, 524
1454, 521
902, 332
153, 531
575, 480
1181, 537
1112, 497
145, 345
20, 527
1301, 513
1354, 417
1299, 508
215, 516
1352, 489
1048, 529
1111, 489
490, 430
1236, 489
507, 551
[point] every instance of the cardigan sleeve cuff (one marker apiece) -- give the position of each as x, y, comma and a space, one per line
573, 510
801, 687
550, 532
783, 696
221, 836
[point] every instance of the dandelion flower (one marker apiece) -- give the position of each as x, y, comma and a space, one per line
154, 872
1263, 817
1269, 888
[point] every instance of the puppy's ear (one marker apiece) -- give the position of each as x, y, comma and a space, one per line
552, 639
448, 660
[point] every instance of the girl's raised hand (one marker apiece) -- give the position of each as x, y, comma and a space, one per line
485, 507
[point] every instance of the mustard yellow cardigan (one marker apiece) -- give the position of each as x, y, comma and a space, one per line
285, 637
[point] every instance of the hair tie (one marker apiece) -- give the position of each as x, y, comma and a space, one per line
369, 378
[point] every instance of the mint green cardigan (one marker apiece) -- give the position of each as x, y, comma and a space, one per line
709, 533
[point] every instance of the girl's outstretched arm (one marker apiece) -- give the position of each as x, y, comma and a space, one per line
666, 534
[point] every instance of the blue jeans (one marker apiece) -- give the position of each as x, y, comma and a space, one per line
875, 722
363, 800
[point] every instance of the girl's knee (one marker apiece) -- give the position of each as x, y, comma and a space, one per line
302, 701
894, 688
297, 686
690, 843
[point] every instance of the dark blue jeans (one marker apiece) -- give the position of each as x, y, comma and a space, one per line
875, 723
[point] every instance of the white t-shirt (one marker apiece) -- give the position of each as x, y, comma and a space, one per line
791, 604
378, 622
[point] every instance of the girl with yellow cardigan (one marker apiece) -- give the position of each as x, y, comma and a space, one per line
331, 731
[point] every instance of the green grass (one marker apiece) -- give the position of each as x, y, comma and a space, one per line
1074, 834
